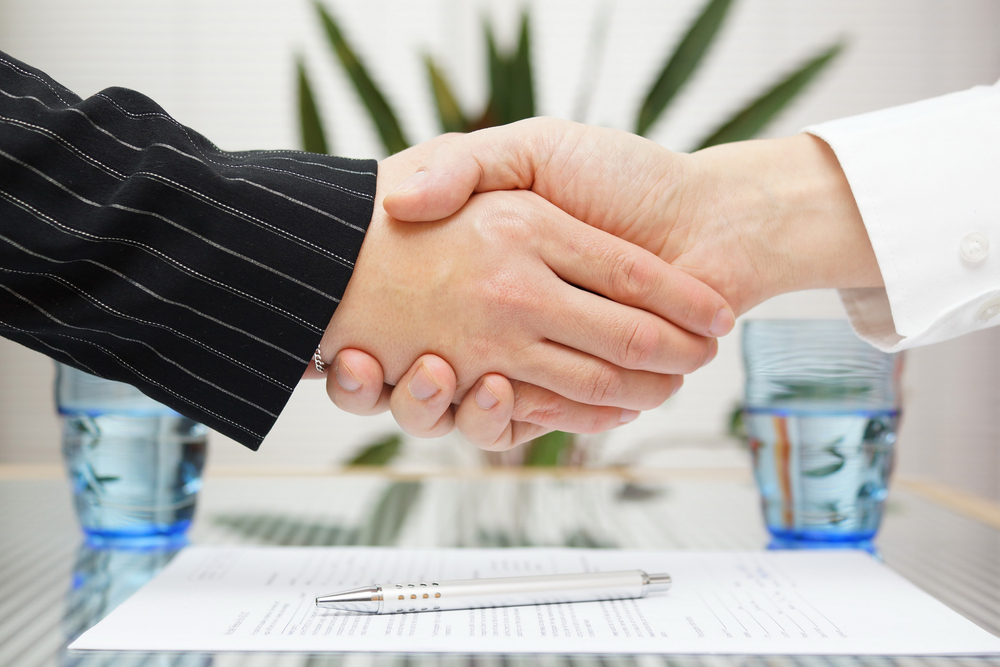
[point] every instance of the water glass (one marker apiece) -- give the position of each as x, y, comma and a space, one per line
134, 464
821, 412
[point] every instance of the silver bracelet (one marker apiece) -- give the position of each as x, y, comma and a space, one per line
321, 366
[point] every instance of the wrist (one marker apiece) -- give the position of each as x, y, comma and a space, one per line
820, 233
790, 210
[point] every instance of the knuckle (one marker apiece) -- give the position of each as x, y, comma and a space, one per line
599, 421
547, 412
514, 228
500, 213
692, 310
604, 385
536, 406
700, 307
639, 345
631, 277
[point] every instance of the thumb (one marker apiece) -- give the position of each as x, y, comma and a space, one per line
491, 159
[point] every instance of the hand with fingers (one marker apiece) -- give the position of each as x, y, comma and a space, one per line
751, 220
587, 327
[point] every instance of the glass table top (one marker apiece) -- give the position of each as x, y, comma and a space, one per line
52, 587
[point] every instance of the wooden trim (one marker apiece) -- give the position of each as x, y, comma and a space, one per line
622, 473
35, 471
967, 504
20, 471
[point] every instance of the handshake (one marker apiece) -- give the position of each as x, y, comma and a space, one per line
549, 275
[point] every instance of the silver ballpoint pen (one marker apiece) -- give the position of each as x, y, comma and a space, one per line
501, 592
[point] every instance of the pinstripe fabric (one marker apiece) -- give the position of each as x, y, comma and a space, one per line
134, 249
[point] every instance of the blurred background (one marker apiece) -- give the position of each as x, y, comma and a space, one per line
227, 68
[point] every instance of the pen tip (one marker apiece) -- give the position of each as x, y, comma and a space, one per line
367, 599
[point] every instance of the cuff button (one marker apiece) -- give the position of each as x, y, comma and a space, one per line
989, 310
975, 247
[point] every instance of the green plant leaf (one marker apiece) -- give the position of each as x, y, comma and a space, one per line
825, 471
104, 479
755, 116
389, 514
499, 538
378, 108
819, 391
512, 91
829, 469
449, 112
682, 63
287, 530
498, 109
521, 87
378, 453
548, 450
313, 137
736, 427
583, 539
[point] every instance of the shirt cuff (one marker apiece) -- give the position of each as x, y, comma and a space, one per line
924, 177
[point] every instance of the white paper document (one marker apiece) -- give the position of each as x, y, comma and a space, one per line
792, 602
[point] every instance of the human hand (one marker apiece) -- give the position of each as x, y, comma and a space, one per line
455, 286
753, 219
496, 414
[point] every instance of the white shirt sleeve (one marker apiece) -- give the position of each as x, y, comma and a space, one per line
926, 177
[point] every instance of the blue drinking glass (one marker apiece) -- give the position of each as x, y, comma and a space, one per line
821, 413
135, 465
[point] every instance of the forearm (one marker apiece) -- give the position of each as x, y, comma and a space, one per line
135, 249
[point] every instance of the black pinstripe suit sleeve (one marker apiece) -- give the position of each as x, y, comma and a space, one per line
134, 249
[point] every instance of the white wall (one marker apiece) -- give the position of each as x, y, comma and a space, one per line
225, 67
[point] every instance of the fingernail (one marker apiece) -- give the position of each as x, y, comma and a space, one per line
677, 387
628, 416
723, 323
713, 353
422, 386
345, 378
410, 184
485, 398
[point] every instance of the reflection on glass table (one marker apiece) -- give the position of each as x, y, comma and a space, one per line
50, 589
102, 579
